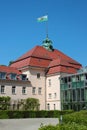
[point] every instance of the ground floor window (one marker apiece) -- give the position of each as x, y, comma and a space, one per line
48, 106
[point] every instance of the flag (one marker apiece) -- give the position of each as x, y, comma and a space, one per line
42, 19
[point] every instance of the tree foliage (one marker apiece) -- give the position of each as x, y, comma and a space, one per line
4, 102
30, 104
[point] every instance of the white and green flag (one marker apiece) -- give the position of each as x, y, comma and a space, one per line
42, 19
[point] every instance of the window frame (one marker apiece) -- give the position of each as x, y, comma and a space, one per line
33, 90
39, 90
38, 75
2, 89
13, 90
24, 90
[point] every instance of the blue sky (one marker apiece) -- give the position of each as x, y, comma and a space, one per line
20, 31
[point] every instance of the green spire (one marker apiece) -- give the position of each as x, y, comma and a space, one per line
47, 44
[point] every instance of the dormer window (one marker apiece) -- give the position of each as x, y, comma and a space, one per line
22, 77
2, 75
13, 76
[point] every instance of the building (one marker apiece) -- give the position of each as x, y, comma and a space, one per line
13, 84
74, 90
43, 66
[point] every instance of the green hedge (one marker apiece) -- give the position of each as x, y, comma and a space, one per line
10, 114
67, 126
4, 114
72, 121
78, 117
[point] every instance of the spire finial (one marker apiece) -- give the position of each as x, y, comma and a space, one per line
47, 44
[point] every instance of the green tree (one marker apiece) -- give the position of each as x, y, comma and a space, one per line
31, 104
4, 102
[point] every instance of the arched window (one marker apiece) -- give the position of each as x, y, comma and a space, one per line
48, 106
54, 106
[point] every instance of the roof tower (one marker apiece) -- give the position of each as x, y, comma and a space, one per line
47, 44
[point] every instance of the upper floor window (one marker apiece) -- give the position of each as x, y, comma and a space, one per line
2, 89
2, 75
50, 95
55, 95
34, 90
49, 82
38, 75
13, 89
39, 90
23, 90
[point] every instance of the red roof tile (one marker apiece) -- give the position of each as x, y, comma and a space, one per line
8, 69
40, 57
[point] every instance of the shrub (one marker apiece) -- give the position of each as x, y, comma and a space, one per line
15, 114
3, 114
78, 117
68, 126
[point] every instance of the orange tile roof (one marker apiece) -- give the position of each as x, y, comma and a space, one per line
8, 69
55, 61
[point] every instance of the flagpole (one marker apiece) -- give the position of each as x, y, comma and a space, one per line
47, 28
44, 19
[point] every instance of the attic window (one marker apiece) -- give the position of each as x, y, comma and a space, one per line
23, 77
13, 76
2, 75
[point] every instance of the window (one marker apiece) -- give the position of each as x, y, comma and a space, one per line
65, 80
69, 79
13, 89
13, 76
23, 77
2, 75
48, 106
78, 94
73, 79
77, 77
50, 95
23, 90
55, 95
39, 90
2, 89
38, 75
82, 94
74, 94
34, 90
54, 106
49, 82
86, 76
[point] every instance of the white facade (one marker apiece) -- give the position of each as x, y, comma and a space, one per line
37, 78
53, 92
50, 88
39, 86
